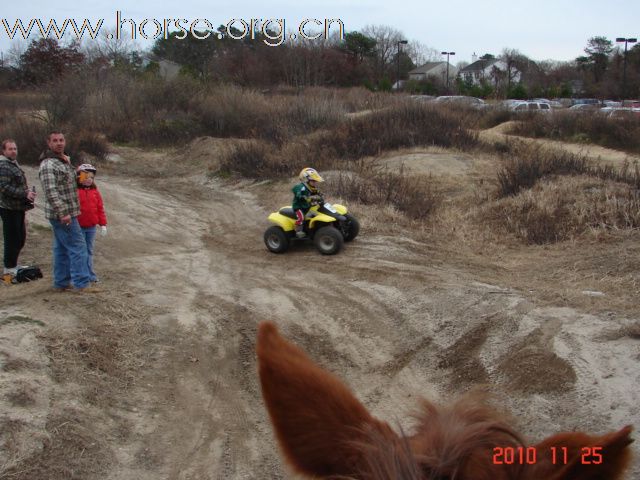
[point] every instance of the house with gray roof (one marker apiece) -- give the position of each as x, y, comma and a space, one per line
434, 71
491, 70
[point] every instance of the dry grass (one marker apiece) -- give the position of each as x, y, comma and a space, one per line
415, 196
71, 449
592, 127
21, 101
406, 124
30, 134
235, 112
105, 353
561, 208
97, 364
524, 165
23, 395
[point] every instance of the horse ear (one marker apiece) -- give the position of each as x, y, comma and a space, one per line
590, 457
318, 421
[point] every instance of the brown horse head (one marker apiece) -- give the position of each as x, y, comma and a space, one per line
324, 431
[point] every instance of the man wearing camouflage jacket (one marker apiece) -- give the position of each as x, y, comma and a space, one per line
15, 200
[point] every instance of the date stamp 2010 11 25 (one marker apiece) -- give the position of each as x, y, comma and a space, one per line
558, 455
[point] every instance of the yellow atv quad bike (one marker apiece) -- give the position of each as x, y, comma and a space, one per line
327, 225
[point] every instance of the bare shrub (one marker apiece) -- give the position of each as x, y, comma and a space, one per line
592, 127
29, 134
21, 101
66, 98
93, 143
315, 149
305, 114
494, 116
354, 99
626, 174
230, 111
254, 159
524, 165
558, 208
404, 125
415, 196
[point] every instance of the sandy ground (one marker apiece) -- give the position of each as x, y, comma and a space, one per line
155, 378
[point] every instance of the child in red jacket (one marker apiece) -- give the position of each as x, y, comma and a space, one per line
91, 211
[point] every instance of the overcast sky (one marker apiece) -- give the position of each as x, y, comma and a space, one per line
543, 29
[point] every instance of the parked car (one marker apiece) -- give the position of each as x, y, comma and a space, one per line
461, 100
530, 106
621, 112
611, 103
422, 98
585, 101
631, 103
584, 108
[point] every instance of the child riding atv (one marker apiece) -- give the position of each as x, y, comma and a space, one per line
309, 217
304, 193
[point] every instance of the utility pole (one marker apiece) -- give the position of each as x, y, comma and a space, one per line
624, 70
403, 42
447, 54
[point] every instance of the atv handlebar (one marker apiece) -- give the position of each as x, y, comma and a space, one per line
317, 199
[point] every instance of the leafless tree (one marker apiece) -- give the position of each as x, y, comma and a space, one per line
517, 65
386, 46
421, 53
107, 46
17, 48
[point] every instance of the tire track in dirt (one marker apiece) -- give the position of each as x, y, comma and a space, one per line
384, 315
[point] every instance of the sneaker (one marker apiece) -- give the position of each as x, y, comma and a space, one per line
300, 234
88, 289
10, 271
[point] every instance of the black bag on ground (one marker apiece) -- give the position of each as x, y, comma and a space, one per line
28, 274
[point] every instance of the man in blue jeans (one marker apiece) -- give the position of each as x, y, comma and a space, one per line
58, 178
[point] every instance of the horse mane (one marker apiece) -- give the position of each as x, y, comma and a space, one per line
459, 438
325, 432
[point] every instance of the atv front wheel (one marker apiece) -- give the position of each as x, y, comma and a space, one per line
328, 240
276, 240
352, 228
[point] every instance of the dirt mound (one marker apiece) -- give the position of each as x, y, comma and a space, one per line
208, 152
531, 367
429, 162
502, 128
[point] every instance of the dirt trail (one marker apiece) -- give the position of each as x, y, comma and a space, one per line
167, 387
595, 152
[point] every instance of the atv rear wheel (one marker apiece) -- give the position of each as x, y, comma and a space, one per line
276, 240
328, 240
353, 228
